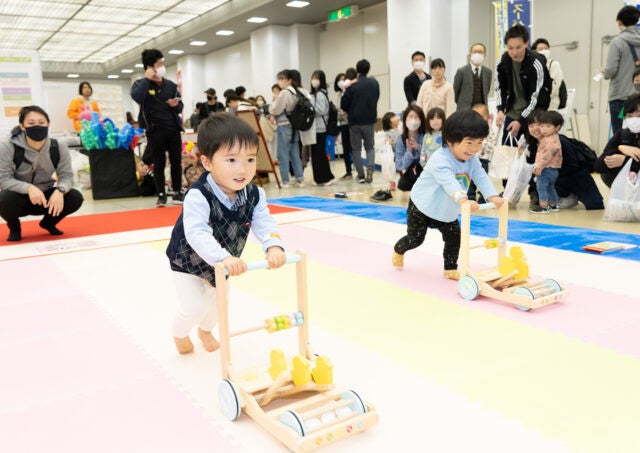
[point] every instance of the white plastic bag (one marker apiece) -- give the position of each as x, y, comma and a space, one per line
502, 158
624, 198
519, 177
387, 163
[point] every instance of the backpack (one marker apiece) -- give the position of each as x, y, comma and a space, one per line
303, 113
18, 154
331, 123
585, 157
544, 97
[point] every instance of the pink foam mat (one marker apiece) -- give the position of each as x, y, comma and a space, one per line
589, 314
72, 381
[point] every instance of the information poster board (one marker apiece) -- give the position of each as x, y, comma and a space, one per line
264, 163
20, 85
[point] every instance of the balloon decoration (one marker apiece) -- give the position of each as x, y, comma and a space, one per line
97, 134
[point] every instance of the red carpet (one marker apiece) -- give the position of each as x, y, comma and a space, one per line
112, 222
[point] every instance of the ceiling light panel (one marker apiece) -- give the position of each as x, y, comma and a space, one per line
128, 42
39, 8
30, 23
155, 5
23, 39
72, 40
297, 4
172, 19
197, 6
104, 28
127, 16
149, 31
257, 20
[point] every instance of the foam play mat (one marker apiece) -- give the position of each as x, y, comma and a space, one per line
88, 362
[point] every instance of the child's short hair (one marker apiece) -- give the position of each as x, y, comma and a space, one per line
551, 117
632, 104
435, 112
465, 123
386, 121
224, 130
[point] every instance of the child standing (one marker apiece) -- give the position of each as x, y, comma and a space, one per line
486, 153
219, 210
433, 134
548, 162
442, 187
390, 123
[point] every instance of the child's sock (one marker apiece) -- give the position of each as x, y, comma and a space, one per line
453, 274
183, 345
208, 341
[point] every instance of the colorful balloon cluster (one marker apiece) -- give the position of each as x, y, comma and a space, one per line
96, 134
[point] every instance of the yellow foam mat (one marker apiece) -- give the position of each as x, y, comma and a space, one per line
577, 392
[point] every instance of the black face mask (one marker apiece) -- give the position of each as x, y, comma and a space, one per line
209, 98
37, 133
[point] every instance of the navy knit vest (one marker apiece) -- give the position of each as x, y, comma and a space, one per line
230, 228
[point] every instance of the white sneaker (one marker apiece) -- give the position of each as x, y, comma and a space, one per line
568, 202
285, 185
300, 183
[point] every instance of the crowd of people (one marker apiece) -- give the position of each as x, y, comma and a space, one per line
529, 90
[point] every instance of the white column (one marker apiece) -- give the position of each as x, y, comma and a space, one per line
439, 28
303, 51
269, 55
193, 82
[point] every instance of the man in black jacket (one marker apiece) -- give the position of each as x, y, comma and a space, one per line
413, 81
517, 97
360, 101
160, 108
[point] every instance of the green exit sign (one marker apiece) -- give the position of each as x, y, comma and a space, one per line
343, 13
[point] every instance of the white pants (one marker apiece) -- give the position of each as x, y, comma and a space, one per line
196, 304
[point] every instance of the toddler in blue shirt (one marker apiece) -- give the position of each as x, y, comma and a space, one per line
436, 196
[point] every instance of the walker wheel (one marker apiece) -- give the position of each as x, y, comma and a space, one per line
553, 284
523, 291
229, 400
293, 421
357, 404
468, 287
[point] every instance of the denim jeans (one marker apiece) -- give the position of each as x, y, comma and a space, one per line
615, 107
546, 184
288, 153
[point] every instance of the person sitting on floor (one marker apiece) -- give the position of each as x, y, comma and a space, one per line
28, 161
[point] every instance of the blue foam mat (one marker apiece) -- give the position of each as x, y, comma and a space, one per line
559, 237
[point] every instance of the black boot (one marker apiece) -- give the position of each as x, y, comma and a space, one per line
50, 227
15, 232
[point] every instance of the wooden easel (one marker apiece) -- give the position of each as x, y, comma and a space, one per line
264, 164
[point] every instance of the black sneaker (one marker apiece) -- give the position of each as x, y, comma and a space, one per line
540, 210
177, 197
369, 176
347, 176
554, 207
361, 179
162, 201
381, 195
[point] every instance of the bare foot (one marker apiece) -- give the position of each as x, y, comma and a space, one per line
183, 345
208, 341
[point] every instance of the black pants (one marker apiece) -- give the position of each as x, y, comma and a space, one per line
473, 189
14, 205
158, 142
319, 162
346, 147
417, 224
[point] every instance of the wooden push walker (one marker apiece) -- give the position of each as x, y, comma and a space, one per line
509, 281
320, 412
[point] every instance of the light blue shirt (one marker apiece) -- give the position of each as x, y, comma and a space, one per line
195, 217
405, 157
445, 177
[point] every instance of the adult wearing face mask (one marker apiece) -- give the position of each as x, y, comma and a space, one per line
472, 81
408, 147
413, 81
541, 46
624, 145
621, 62
160, 107
28, 161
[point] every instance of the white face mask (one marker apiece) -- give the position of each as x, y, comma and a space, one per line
418, 65
413, 125
161, 71
545, 52
476, 58
315, 83
341, 84
633, 123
